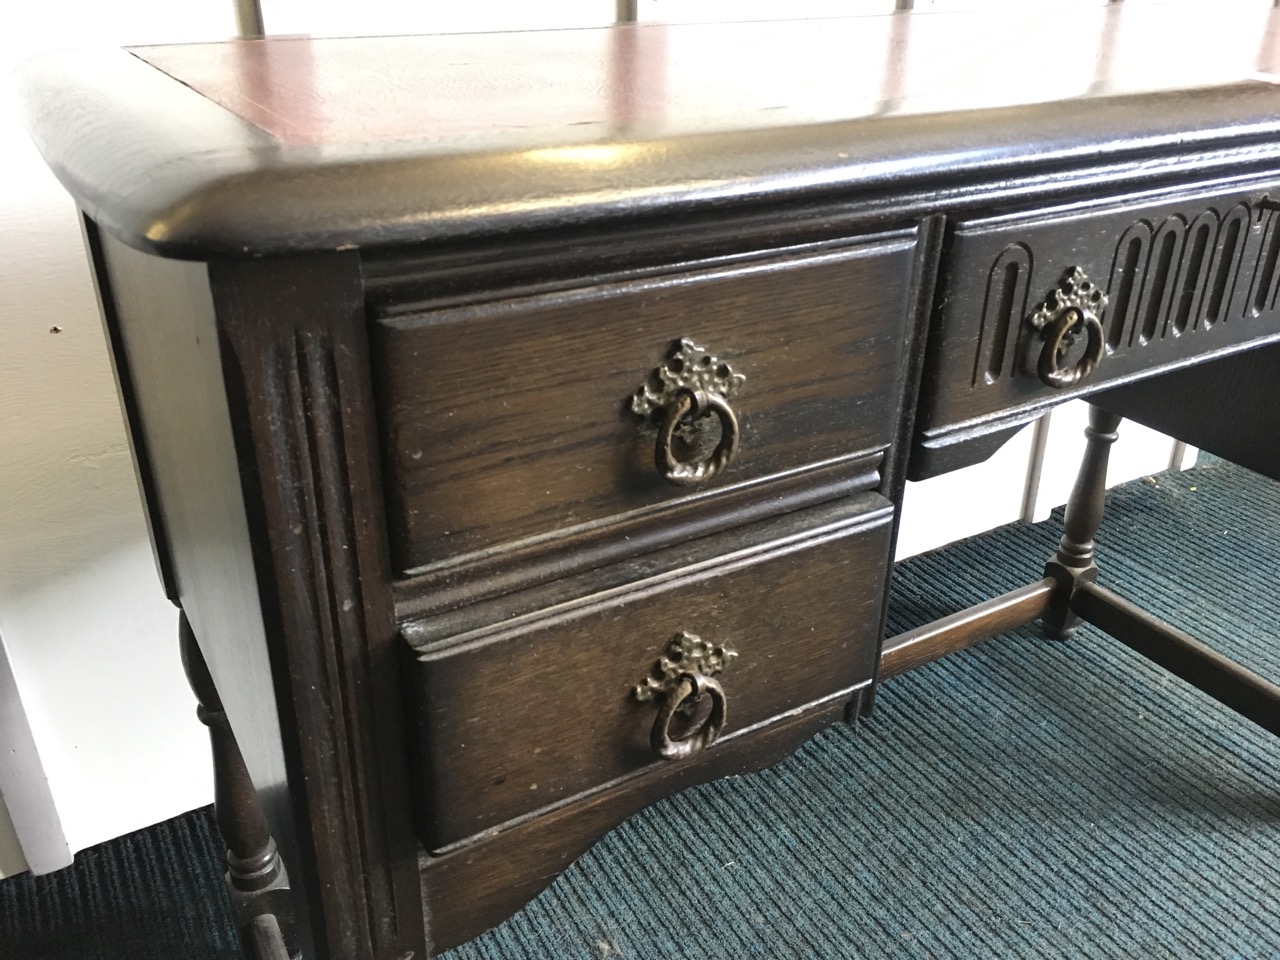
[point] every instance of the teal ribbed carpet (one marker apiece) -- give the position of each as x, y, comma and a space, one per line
1021, 799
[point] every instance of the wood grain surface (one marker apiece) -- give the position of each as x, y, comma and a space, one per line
511, 419
294, 346
369, 142
702, 76
368, 375
502, 872
803, 615
1187, 276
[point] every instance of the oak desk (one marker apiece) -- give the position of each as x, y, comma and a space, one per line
522, 419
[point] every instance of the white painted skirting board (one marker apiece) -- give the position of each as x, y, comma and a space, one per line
31, 835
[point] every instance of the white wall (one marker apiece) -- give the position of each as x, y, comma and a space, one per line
89, 633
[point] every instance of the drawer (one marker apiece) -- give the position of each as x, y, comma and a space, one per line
1181, 279
521, 713
512, 421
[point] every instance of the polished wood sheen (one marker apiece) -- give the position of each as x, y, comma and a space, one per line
160, 321
378, 308
706, 77
503, 871
157, 161
803, 626
1189, 278
1228, 682
524, 428
256, 876
450, 586
209, 377
963, 629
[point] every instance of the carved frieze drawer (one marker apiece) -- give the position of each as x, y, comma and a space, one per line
1148, 285
525, 421
527, 702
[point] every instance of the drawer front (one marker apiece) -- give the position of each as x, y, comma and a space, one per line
513, 420
1181, 279
537, 710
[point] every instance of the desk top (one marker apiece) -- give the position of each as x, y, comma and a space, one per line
257, 147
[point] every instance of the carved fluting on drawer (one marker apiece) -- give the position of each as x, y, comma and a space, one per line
1167, 278
1178, 279
1170, 277
1003, 307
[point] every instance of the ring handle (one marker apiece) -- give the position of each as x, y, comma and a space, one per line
691, 686
1060, 335
1074, 305
689, 386
696, 404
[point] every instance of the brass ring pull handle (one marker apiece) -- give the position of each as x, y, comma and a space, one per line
685, 391
691, 687
1073, 307
683, 675
694, 405
1059, 336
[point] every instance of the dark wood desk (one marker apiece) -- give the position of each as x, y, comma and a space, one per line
522, 419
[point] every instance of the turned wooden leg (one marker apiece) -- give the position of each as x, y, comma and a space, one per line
255, 873
1074, 564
